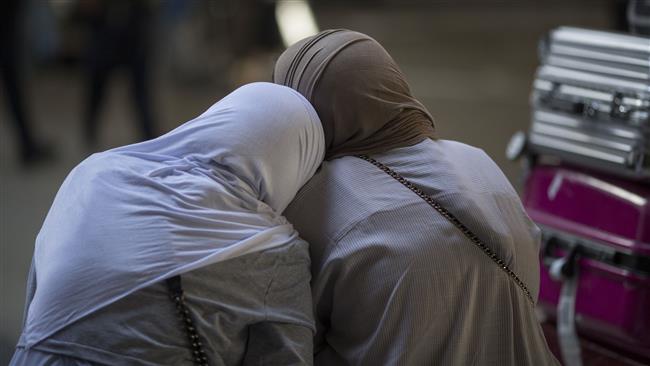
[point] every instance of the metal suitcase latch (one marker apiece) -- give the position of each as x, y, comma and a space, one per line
565, 267
553, 100
574, 247
618, 109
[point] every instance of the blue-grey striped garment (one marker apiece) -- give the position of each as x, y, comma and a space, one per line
250, 310
395, 283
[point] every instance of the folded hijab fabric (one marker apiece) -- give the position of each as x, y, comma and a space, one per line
359, 92
210, 190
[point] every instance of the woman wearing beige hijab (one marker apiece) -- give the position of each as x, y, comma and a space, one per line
421, 251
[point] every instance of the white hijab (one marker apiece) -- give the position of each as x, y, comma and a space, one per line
210, 190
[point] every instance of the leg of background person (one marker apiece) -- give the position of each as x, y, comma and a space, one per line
140, 85
10, 69
14, 96
98, 75
137, 56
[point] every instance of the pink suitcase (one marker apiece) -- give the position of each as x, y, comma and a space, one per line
596, 230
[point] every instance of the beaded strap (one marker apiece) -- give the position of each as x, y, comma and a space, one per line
449, 216
176, 294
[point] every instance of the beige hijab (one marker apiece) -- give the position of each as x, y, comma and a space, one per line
359, 92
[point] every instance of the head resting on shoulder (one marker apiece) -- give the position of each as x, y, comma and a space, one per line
358, 91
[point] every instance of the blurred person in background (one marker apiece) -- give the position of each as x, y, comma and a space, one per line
12, 16
396, 280
194, 215
120, 36
253, 38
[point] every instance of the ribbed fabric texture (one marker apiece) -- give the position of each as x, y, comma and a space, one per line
250, 310
395, 283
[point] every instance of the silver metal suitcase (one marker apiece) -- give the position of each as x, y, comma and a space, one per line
591, 101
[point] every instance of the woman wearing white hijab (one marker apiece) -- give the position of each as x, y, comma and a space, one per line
203, 202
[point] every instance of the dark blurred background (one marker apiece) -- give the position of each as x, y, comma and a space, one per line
87, 75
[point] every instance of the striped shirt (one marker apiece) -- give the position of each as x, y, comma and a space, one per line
395, 283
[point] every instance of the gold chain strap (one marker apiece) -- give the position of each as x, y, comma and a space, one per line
449, 216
